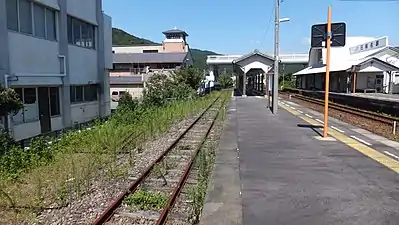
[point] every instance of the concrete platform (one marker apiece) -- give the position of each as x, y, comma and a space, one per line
286, 175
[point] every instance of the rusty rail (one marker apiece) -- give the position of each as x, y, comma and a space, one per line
385, 119
110, 210
176, 192
369, 115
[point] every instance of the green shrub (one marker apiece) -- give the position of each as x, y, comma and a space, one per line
6, 141
226, 81
191, 77
9, 101
17, 160
126, 101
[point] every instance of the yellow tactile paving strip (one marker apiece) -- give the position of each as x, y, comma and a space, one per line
364, 149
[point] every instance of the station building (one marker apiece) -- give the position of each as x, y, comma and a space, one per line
133, 65
56, 55
364, 64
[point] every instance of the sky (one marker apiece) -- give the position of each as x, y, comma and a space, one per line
240, 26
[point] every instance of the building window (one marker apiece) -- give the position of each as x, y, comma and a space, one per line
90, 92
150, 51
25, 17
79, 93
81, 33
41, 24
30, 111
54, 97
84, 93
50, 25
377, 43
12, 14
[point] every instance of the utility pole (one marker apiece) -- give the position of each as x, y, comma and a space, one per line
276, 60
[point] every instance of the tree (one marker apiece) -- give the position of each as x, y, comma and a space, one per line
161, 88
9, 101
288, 80
225, 80
127, 101
189, 76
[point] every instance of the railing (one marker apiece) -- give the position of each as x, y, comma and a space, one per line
294, 56
228, 58
223, 57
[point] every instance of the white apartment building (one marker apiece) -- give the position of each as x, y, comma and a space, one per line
56, 55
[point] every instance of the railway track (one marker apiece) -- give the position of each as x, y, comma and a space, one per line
152, 196
375, 117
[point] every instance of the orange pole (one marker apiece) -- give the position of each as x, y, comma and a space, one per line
328, 43
354, 82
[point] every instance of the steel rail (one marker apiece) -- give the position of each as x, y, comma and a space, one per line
176, 192
110, 210
354, 111
379, 115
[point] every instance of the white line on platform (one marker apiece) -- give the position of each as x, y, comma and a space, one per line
392, 155
361, 140
319, 121
337, 129
292, 107
308, 115
299, 111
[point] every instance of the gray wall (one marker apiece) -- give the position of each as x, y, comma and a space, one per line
36, 62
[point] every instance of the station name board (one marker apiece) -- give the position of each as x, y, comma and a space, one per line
378, 43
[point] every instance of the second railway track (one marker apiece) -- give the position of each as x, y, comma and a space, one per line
384, 125
152, 195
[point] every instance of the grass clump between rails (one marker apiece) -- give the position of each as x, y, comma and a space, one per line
52, 174
146, 200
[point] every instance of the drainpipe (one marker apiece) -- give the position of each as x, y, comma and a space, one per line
6, 76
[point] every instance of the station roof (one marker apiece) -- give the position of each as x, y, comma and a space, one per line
175, 31
149, 57
346, 66
256, 52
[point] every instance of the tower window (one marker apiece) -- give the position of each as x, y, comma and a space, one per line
150, 51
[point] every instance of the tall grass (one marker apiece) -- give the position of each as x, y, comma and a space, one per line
56, 173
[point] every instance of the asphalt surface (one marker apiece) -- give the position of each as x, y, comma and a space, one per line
289, 177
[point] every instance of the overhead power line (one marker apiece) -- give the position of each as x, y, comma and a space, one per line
262, 41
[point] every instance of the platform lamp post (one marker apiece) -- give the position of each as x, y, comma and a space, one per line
277, 21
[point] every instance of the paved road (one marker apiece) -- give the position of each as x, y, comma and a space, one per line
289, 177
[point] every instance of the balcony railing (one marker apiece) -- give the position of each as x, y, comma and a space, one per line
229, 58
223, 57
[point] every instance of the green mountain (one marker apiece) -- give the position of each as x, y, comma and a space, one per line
121, 37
